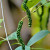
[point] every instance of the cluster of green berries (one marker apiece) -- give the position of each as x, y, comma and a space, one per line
21, 23
18, 34
28, 12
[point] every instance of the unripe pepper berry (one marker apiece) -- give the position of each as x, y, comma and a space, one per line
28, 12
18, 34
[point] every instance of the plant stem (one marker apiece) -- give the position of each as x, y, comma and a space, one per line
37, 48
40, 15
15, 43
48, 18
20, 24
38, 7
2, 38
33, 11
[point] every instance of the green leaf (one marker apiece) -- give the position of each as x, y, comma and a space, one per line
47, 3
13, 36
37, 37
1, 20
43, 1
1, 42
20, 48
31, 3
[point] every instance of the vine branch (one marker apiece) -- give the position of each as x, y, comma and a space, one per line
48, 18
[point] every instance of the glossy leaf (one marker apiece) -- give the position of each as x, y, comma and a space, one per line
20, 48
37, 37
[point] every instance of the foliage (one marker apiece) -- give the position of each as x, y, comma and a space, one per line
45, 3
12, 36
31, 3
36, 37
20, 48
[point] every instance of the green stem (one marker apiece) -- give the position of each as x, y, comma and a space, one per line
16, 43
37, 48
40, 15
48, 18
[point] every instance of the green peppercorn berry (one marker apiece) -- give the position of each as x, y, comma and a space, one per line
18, 34
25, 1
28, 12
